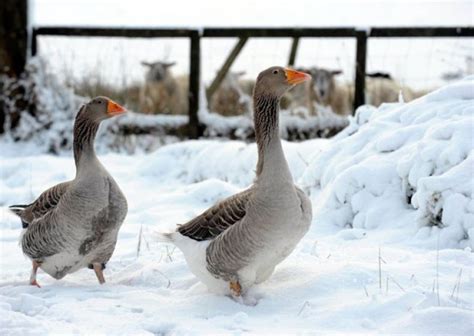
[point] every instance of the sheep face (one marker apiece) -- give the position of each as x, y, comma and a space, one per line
323, 82
231, 80
157, 71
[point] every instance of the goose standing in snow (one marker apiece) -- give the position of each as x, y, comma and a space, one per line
75, 224
239, 241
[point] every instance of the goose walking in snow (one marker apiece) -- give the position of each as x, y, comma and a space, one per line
239, 241
75, 224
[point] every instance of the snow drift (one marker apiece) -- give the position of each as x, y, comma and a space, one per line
402, 159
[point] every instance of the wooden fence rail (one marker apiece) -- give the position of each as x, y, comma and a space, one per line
243, 34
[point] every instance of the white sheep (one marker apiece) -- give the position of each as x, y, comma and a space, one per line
379, 88
325, 91
382, 88
162, 92
297, 100
230, 99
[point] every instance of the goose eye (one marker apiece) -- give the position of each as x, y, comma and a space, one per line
275, 72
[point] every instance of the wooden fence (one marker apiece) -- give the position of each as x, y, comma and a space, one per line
243, 34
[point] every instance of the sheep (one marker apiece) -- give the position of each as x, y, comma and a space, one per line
161, 92
229, 99
297, 99
380, 90
380, 87
326, 92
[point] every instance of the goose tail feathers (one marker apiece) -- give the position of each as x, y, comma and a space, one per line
17, 209
164, 237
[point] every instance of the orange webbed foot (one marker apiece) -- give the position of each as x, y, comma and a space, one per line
35, 283
235, 288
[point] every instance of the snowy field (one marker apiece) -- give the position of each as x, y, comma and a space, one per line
389, 250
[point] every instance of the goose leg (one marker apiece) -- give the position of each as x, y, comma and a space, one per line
98, 272
235, 288
34, 270
239, 288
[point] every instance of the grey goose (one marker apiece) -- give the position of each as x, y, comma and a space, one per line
238, 242
75, 224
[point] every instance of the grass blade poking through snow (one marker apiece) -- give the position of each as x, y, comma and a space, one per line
437, 271
139, 244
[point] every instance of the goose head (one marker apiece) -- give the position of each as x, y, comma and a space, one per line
101, 108
277, 80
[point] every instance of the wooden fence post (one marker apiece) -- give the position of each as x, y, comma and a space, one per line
34, 42
13, 48
294, 49
225, 68
361, 59
194, 130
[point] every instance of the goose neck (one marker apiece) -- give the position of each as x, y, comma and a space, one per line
266, 129
85, 131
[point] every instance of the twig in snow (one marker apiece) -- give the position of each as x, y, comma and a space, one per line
305, 304
169, 254
146, 241
161, 257
456, 286
366, 292
396, 283
302, 159
164, 276
139, 244
457, 290
437, 271
380, 270
386, 285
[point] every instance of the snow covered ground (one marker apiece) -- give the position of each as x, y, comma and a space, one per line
389, 251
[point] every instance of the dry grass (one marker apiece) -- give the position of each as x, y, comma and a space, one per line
127, 95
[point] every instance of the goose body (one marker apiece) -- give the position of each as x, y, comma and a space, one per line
239, 241
75, 224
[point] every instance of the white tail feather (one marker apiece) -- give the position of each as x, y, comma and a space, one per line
164, 237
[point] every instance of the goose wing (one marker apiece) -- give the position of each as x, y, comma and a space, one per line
46, 202
218, 218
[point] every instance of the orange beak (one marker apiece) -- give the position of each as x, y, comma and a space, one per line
114, 109
296, 77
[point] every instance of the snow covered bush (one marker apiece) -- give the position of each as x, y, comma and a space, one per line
49, 129
402, 160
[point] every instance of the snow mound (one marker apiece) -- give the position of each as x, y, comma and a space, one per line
229, 161
403, 160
